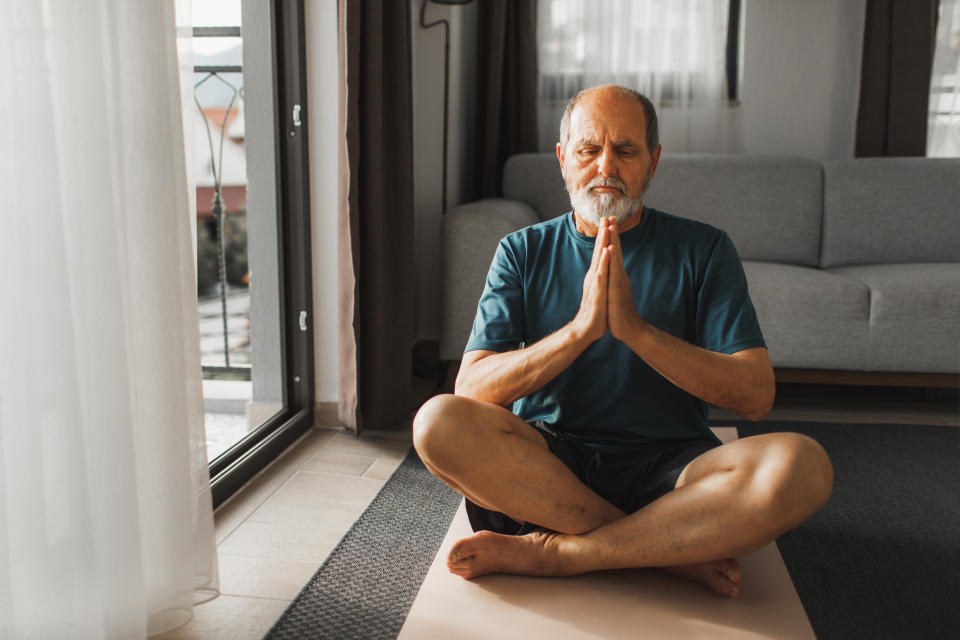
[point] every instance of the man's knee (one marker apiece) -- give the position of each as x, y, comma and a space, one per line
794, 478
438, 425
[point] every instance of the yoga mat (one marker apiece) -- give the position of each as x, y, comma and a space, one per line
637, 603
882, 558
641, 603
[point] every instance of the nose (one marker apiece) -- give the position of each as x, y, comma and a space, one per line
607, 162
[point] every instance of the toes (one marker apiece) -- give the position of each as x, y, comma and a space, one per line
460, 551
460, 560
460, 557
730, 568
724, 586
458, 571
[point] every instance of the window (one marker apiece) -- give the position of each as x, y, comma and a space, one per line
683, 55
943, 129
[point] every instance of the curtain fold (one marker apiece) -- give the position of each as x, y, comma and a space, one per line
106, 526
898, 47
376, 263
507, 57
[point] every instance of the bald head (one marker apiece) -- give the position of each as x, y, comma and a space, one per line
615, 92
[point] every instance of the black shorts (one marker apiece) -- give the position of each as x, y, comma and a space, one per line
627, 478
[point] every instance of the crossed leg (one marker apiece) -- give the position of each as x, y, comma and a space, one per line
728, 501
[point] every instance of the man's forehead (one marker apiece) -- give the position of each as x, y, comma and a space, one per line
621, 119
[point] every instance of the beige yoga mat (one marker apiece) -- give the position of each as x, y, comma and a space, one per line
640, 603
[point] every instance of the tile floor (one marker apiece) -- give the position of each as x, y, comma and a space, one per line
280, 527
274, 534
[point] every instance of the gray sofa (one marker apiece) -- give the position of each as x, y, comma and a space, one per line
852, 266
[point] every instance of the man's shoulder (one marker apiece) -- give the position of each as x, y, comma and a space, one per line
685, 225
686, 230
536, 233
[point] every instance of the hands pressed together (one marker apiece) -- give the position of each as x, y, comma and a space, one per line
607, 301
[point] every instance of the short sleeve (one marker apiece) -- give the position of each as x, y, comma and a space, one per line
498, 325
726, 319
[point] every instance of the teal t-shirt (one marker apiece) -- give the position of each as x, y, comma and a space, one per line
686, 279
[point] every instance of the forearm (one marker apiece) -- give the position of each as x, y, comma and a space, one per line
501, 378
745, 385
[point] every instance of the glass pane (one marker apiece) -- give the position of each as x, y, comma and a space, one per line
943, 130
237, 274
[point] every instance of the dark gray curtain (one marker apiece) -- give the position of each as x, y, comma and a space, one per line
376, 275
507, 55
898, 45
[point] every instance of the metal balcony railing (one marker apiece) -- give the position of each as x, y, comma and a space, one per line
216, 73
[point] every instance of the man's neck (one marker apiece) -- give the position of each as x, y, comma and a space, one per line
589, 229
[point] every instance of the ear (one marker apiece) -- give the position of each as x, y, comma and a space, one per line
560, 156
655, 161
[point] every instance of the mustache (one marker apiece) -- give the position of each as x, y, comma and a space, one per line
612, 181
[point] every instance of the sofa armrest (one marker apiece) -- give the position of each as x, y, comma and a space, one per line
469, 237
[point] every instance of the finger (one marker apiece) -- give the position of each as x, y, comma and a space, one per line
615, 240
603, 268
598, 244
603, 237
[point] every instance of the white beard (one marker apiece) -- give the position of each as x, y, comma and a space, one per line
593, 207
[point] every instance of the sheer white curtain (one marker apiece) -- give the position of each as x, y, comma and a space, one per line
673, 51
943, 130
106, 527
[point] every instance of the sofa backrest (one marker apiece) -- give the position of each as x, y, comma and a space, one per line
884, 210
535, 180
771, 207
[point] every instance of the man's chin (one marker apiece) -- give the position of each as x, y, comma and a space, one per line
594, 215
593, 208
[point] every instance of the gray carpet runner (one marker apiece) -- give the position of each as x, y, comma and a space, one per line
368, 583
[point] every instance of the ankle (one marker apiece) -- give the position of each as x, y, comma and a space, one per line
562, 554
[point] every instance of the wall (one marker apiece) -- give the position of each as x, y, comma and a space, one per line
427, 52
322, 96
801, 76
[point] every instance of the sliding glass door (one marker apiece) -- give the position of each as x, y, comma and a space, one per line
253, 267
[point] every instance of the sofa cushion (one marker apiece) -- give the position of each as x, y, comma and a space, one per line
810, 318
914, 316
770, 207
535, 179
884, 210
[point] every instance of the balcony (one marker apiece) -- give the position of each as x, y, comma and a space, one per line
236, 237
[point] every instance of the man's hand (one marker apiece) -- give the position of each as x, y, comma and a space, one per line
502, 378
591, 319
622, 316
742, 381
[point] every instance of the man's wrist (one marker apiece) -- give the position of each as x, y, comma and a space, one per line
636, 332
576, 335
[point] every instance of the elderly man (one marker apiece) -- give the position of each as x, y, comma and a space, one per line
609, 330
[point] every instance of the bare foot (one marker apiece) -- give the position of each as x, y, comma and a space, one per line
721, 576
541, 554
533, 554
